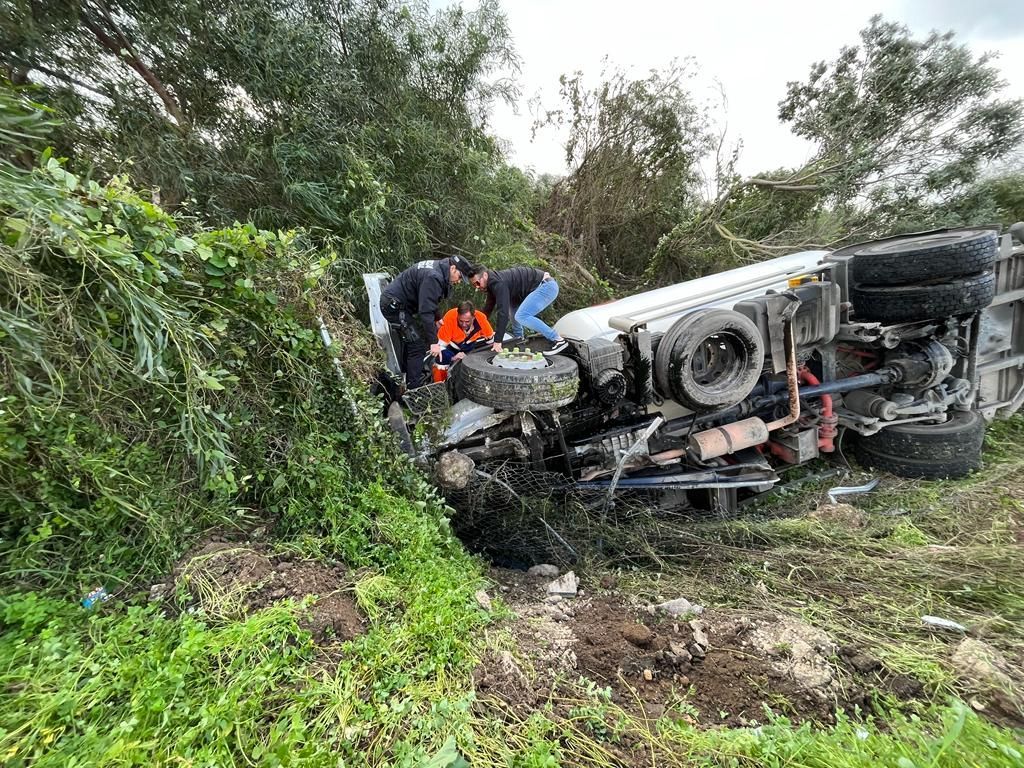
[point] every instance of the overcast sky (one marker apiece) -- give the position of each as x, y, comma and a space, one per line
751, 47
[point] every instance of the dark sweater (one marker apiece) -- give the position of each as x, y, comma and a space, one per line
420, 289
506, 289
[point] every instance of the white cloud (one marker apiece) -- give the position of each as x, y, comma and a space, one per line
752, 48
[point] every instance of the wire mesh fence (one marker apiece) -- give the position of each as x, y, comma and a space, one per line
517, 516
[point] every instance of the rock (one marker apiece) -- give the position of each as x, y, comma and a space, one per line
454, 470
700, 635
284, 565
483, 599
543, 571
158, 592
678, 650
553, 599
279, 594
567, 585
648, 675
679, 607
697, 651
798, 650
558, 615
981, 665
637, 634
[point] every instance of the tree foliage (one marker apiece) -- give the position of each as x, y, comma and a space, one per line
898, 120
905, 132
633, 150
360, 118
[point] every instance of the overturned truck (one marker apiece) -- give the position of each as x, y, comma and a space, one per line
698, 394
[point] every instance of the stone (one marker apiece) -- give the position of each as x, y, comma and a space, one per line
553, 599
679, 607
637, 634
700, 635
567, 585
543, 571
798, 651
454, 470
483, 599
279, 594
981, 665
678, 650
697, 651
648, 675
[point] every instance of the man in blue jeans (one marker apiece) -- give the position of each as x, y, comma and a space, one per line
519, 294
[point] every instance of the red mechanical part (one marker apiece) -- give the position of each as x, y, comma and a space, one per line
828, 428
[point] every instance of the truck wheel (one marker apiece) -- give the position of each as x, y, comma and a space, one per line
930, 451
911, 260
546, 385
709, 359
911, 303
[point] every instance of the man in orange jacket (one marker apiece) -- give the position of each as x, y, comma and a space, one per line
462, 328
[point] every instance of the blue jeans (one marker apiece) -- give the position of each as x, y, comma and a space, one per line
536, 302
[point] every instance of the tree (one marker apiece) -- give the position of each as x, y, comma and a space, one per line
898, 121
905, 130
363, 119
633, 149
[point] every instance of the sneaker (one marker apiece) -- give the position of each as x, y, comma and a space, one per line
560, 346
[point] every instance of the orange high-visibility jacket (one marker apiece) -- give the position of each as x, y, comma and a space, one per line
450, 335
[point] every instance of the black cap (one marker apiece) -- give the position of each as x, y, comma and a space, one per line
466, 269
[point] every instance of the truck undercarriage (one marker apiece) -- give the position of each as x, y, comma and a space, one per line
697, 395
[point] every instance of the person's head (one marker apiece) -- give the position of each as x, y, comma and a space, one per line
459, 268
479, 279
466, 316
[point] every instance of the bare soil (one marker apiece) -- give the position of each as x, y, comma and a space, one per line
224, 576
718, 669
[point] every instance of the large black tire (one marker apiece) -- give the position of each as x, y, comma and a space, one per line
930, 451
910, 260
738, 369
511, 389
911, 303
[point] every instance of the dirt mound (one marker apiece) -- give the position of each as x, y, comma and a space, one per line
233, 580
697, 667
719, 669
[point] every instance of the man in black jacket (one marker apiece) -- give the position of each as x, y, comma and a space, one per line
519, 293
418, 292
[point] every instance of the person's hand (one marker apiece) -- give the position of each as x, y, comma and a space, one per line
496, 347
437, 323
435, 350
460, 355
